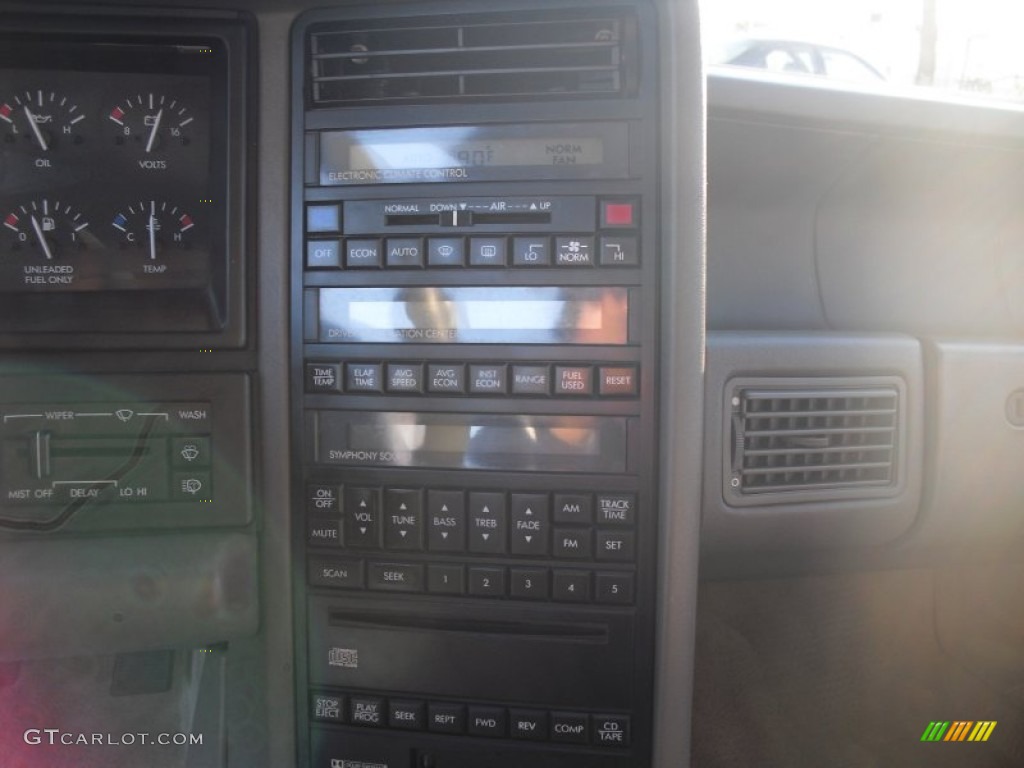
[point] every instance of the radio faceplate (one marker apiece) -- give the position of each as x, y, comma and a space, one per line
473, 366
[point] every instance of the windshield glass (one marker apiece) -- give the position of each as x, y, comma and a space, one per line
956, 47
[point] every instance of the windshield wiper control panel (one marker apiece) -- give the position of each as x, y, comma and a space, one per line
474, 325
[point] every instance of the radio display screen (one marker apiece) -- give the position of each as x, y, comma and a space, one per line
475, 315
474, 153
463, 441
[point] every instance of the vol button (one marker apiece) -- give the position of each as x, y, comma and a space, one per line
362, 521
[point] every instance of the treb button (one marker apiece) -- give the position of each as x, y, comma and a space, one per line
487, 523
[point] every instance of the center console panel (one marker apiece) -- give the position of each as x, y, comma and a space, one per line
474, 284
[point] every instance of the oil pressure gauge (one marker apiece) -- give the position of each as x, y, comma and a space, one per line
40, 121
151, 124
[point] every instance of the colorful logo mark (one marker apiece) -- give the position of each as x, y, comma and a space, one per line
959, 730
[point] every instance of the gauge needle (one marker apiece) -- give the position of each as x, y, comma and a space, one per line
152, 133
152, 228
42, 239
35, 128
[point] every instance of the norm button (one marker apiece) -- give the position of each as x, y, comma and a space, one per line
574, 251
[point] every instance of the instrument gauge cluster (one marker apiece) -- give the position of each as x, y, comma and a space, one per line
115, 172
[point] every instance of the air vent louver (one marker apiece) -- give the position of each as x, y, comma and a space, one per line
420, 60
800, 440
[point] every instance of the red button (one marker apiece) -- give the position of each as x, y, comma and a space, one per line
618, 215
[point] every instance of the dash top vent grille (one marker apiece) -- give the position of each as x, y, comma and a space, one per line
426, 60
805, 439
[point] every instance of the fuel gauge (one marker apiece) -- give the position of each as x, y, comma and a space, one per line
41, 229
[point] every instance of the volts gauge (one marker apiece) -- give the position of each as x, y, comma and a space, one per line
41, 121
151, 124
42, 229
154, 228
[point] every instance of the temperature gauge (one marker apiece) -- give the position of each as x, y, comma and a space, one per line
151, 123
40, 121
155, 228
48, 230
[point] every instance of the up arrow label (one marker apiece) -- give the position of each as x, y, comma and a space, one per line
444, 507
402, 507
529, 511
486, 510
363, 503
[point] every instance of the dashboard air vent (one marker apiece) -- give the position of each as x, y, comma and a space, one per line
798, 440
472, 57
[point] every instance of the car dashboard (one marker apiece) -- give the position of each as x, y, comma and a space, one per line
381, 383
